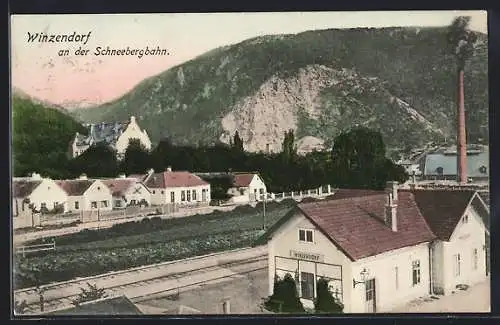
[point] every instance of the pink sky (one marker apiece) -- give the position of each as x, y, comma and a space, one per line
87, 80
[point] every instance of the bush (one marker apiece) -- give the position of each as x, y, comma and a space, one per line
325, 302
285, 298
90, 294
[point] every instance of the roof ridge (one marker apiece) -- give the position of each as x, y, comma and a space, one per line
343, 200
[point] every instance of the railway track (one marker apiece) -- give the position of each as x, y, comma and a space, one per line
60, 296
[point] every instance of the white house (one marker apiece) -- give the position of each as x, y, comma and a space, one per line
87, 194
460, 220
128, 191
175, 187
247, 187
116, 134
376, 249
38, 194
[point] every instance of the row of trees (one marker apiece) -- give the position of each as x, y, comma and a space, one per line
357, 160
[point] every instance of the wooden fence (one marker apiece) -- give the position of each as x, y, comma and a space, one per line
315, 192
97, 215
23, 250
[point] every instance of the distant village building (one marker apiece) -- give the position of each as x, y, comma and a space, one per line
412, 168
35, 193
175, 187
443, 165
245, 186
379, 250
87, 194
248, 187
115, 134
128, 192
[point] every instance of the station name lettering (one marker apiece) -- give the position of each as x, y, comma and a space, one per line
306, 256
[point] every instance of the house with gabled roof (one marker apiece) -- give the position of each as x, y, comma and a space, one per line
249, 186
460, 221
86, 194
114, 134
379, 249
175, 187
128, 192
35, 194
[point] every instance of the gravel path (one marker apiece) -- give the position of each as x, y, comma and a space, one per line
474, 300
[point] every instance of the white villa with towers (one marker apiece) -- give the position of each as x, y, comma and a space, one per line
115, 134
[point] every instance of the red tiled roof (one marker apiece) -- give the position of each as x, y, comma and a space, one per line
442, 209
356, 224
119, 186
485, 196
75, 187
169, 179
242, 180
23, 188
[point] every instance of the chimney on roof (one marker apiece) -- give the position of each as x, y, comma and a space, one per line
121, 176
83, 176
132, 119
391, 206
169, 169
151, 171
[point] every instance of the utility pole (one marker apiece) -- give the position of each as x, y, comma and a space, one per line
264, 209
40, 291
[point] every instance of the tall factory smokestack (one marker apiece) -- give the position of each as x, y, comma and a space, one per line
461, 134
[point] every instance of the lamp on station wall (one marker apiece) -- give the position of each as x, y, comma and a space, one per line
363, 276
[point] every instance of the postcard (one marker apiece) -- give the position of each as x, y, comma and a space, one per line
250, 163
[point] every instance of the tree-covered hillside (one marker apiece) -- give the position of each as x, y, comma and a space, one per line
41, 138
396, 80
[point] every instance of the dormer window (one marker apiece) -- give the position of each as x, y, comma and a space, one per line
439, 170
465, 219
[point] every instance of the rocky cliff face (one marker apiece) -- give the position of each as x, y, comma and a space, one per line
279, 104
400, 81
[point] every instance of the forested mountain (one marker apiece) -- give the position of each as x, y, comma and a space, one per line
399, 81
41, 138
